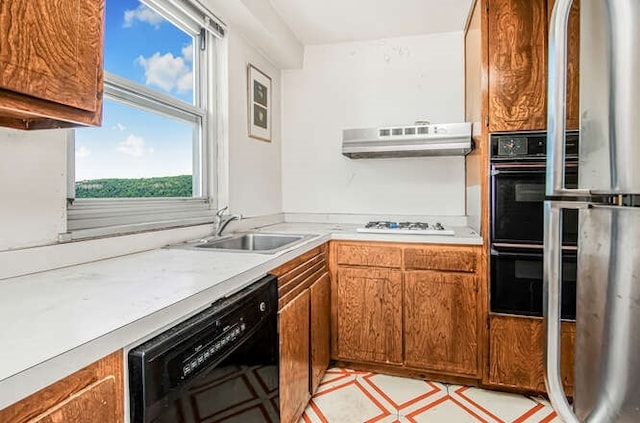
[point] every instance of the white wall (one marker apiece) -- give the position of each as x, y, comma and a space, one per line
254, 165
32, 187
369, 84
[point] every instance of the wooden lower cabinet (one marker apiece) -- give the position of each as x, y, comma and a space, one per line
320, 293
92, 394
293, 328
421, 312
441, 322
369, 319
304, 329
516, 353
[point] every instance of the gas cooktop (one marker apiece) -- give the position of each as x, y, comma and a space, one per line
412, 228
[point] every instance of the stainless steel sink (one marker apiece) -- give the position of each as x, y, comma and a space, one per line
255, 242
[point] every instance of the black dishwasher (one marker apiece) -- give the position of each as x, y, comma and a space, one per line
220, 365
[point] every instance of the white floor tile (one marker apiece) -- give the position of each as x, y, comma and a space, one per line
446, 411
492, 405
349, 403
402, 395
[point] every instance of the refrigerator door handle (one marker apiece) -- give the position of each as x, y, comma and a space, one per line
552, 302
556, 101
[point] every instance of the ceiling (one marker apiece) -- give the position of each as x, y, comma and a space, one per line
333, 21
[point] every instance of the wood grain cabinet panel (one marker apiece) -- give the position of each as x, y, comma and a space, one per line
517, 65
369, 319
573, 63
51, 62
304, 329
92, 394
460, 259
93, 404
320, 293
293, 328
516, 350
366, 254
441, 321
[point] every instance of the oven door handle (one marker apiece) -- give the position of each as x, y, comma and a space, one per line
519, 166
512, 168
497, 253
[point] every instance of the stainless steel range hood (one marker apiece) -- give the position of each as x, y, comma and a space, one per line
450, 139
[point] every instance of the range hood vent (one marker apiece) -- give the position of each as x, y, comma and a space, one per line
448, 139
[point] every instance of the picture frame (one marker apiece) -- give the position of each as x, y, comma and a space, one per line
259, 102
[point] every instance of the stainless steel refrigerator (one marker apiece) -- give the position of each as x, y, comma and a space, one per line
607, 361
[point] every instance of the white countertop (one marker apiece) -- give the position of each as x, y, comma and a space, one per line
58, 321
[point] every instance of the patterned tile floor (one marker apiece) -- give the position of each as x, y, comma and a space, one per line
349, 396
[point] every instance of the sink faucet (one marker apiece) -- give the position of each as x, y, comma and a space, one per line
223, 220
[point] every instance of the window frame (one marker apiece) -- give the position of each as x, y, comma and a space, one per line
95, 217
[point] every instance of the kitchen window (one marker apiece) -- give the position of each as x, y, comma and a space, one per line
152, 162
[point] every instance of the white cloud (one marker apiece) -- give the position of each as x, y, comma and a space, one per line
187, 53
142, 14
185, 83
82, 151
133, 146
167, 72
120, 127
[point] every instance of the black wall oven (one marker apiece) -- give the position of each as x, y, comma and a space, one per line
518, 170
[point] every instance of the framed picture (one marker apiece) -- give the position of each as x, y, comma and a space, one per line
259, 90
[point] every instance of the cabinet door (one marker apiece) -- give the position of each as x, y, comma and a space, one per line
293, 328
517, 65
320, 323
369, 314
516, 353
51, 50
440, 322
95, 403
51, 63
573, 63
92, 394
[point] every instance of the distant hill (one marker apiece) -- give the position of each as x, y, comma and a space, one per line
166, 186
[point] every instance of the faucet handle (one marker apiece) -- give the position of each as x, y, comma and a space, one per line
220, 212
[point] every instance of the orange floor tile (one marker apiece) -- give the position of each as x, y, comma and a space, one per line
349, 396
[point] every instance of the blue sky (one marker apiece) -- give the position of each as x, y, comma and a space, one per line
143, 47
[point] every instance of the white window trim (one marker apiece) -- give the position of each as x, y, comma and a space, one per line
89, 218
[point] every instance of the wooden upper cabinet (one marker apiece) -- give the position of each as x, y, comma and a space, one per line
51, 63
573, 63
517, 65
369, 318
441, 322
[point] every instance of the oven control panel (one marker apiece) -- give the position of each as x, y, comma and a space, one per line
512, 146
528, 146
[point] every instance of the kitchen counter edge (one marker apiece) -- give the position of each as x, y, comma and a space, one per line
32, 378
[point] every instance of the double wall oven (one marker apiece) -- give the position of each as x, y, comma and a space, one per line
518, 168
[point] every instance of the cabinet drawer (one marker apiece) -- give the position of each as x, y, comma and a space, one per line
368, 255
294, 267
445, 259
